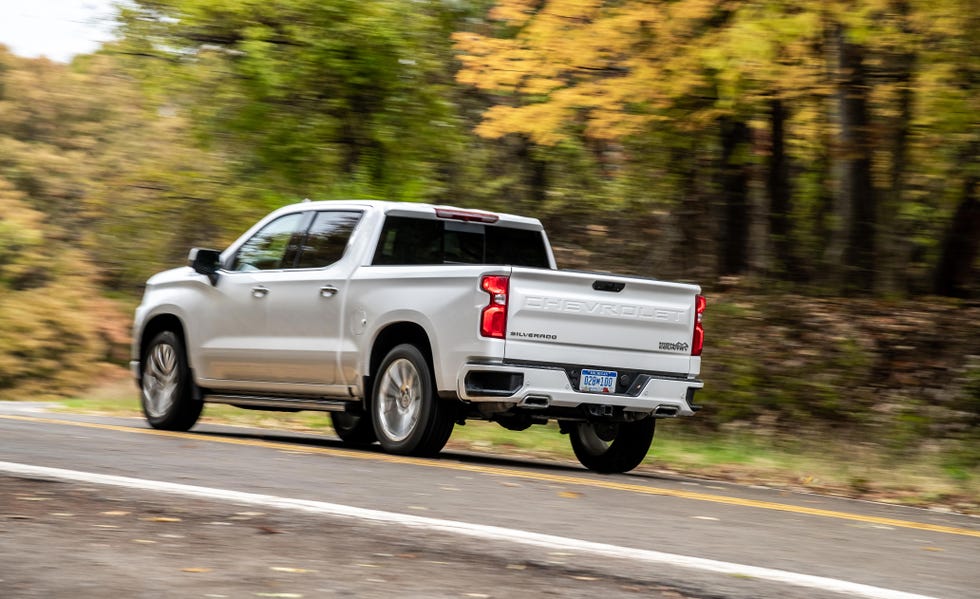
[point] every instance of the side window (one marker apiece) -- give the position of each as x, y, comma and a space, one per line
327, 238
519, 247
266, 249
407, 240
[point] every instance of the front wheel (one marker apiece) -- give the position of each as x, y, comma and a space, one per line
409, 417
612, 447
167, 397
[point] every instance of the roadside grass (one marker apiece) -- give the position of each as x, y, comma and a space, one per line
828, 464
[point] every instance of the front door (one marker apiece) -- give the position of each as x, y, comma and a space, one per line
304, 305
235, 344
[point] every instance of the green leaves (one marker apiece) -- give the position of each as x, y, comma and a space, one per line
313, 96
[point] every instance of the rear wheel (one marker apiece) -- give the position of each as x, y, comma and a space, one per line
166, 387
409, 418
612, 447
353, 429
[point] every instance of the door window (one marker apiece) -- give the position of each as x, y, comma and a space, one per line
267, 249
327, 238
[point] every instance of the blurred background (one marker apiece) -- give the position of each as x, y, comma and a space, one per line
813, 164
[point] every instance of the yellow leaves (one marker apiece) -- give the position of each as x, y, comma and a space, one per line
611, 67
541, 122
490, 63
610, 125
540, 85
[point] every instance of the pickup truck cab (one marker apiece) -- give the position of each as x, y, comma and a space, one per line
403, 319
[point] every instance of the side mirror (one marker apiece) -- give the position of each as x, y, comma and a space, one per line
206, 262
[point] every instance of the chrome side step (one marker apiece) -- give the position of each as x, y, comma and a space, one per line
287, 403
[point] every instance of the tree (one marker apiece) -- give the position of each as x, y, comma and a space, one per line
617, 72
830, 107
50, 334
309, 96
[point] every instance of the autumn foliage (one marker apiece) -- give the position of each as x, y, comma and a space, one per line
806, 162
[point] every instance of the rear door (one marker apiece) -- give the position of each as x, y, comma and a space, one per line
600, 322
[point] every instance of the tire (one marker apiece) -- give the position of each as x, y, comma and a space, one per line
409, 418
166, 386
612, 447
353, 429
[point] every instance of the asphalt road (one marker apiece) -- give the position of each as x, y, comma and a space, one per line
516, 527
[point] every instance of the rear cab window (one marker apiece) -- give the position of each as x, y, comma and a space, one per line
410, 240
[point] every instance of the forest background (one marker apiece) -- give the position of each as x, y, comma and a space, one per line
814, 165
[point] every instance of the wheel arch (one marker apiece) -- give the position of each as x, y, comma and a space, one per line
155, 326
391, 336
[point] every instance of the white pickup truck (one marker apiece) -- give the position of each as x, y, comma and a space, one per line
403, 319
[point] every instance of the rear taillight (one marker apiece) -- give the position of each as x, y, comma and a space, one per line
698, 344
493, 319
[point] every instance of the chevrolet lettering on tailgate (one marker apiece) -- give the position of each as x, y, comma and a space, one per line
551, 304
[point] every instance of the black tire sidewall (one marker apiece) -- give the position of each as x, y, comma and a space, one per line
627, 451
358, 431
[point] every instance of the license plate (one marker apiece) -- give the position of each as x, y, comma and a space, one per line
598, 381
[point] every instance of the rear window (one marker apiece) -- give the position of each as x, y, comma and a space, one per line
406, 240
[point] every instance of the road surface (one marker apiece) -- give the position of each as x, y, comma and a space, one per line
269, 513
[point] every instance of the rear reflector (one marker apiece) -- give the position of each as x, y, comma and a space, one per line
698, 343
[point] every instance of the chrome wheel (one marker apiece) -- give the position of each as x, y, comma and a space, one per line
166, 387
160, 380
408, 415
398, 401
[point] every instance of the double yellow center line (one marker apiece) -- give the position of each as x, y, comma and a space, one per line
609, 484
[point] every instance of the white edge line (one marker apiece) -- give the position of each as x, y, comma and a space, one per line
478, 531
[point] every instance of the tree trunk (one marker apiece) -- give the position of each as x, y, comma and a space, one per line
893, 244
779, 191
535, 172
856, 186
955, 274
733, 251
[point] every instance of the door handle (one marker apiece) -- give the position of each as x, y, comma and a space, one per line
260, 291
328, 291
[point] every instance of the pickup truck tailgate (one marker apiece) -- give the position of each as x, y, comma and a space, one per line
591, 319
